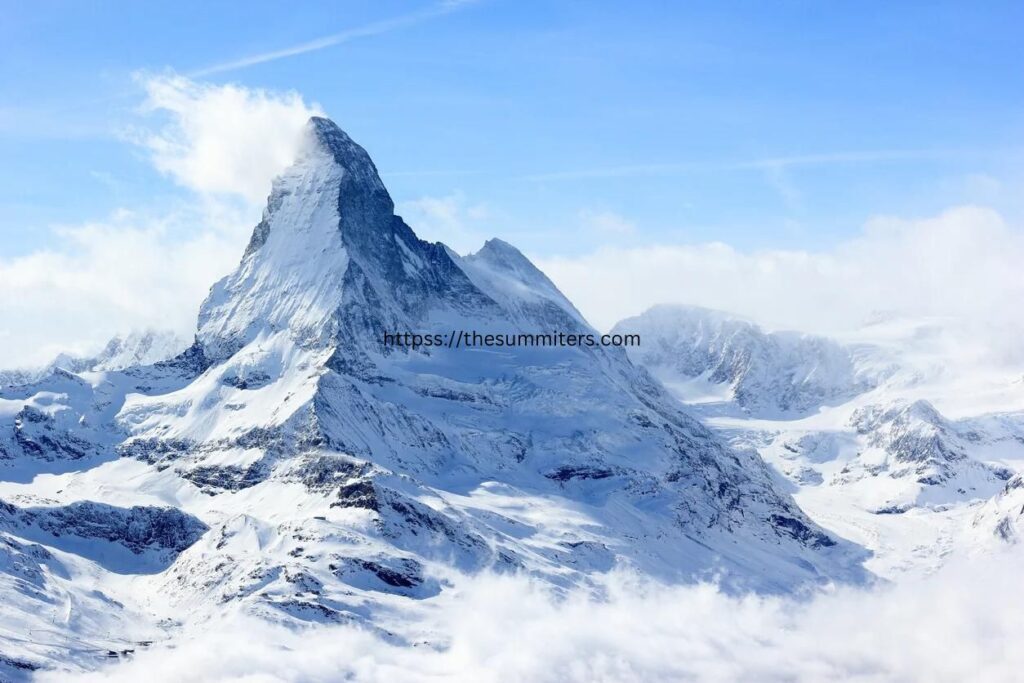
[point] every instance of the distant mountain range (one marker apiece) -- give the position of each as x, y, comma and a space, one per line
121, 352
854, 428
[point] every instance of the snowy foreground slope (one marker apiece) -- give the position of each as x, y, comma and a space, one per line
291, 467
860, 430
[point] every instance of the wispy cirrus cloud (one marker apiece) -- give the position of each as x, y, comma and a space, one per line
345, 36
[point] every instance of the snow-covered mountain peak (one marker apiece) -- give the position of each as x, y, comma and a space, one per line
140, 347
498, 251
330, 259
359, 167
292, 269
671, 314
507, 276
768, 373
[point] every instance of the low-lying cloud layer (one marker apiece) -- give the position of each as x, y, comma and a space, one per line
963, 263
960, 624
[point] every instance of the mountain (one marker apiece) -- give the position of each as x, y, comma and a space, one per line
854, 428
912, 441
1001, 519
764, 373
320, 473
136, 348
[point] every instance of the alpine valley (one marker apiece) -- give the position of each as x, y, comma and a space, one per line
289, 466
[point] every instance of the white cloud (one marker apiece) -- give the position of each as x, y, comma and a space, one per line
450, 219
223, 139
961, 624
607, 223
964, 262
129, 272
138, 269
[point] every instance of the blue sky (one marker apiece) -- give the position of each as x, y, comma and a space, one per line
843, 157
758, 124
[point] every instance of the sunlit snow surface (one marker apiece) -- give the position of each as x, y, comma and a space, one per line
290, 498
913, 455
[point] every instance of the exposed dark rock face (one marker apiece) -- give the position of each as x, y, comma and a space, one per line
918, 439
137, 528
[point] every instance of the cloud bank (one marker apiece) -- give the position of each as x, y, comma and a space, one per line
960, 624
131, 271
963, 263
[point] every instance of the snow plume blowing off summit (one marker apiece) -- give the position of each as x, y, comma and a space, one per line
325, 478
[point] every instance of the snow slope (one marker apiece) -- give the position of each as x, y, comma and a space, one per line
299, 469
766, 374
878, 462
